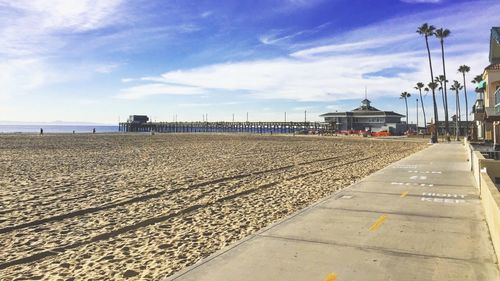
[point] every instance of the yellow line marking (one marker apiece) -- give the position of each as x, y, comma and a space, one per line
376, 225
404, 194
330, 277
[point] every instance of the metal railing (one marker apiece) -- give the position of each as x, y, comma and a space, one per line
478, 107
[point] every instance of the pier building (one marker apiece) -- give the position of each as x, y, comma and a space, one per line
368, 118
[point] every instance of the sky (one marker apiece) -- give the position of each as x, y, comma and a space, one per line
102, 60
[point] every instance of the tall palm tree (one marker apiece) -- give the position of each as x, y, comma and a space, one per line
464, 69
405, 96
457, 87
441, 34
427, 30
419, 87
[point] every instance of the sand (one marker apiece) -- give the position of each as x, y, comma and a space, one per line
141, 207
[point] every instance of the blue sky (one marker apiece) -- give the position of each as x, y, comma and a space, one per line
98, 61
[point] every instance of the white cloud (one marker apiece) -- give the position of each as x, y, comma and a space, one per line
351, 46
141, 91
36, 33
74, 15
107, 68
22, 75
335, 69
36, 27
279, 36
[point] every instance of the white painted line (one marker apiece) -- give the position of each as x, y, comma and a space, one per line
413, 183
442, 200
424, 172
443, 195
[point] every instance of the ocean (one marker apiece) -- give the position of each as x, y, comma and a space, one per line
57, 129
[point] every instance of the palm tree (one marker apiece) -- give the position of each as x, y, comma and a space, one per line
457, 87
419, 87
428, 30
440, 88
440, 79
406, 95
441, 34
477, 79
432, 87
464, 69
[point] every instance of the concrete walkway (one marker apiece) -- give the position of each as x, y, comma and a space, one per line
418, 219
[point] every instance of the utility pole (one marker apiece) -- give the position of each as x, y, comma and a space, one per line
247, 116
285, 116
305, 116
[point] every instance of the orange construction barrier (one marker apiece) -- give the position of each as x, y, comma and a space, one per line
381, 134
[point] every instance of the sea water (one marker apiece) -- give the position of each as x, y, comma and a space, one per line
57, 129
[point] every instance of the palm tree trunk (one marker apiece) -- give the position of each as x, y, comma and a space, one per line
457, 107
466, 110
442, 96
406, 102
433, 90
446, 124
459, 114
423, 109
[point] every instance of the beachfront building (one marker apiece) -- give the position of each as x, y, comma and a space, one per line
486, 110
368, 118
138, 119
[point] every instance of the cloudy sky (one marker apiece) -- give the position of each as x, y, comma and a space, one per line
101, 60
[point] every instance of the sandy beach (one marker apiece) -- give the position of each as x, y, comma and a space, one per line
141, 207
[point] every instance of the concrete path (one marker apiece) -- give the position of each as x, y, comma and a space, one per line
418, 219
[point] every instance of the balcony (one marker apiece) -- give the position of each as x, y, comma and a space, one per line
478, 110
478, 107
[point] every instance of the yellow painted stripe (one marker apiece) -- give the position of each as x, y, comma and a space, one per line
376, 225
330, 277
404, 194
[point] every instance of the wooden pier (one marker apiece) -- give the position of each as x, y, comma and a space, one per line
229, 127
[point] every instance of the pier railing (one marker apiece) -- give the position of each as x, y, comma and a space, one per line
229, 127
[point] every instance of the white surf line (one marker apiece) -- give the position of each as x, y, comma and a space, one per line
418, 177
